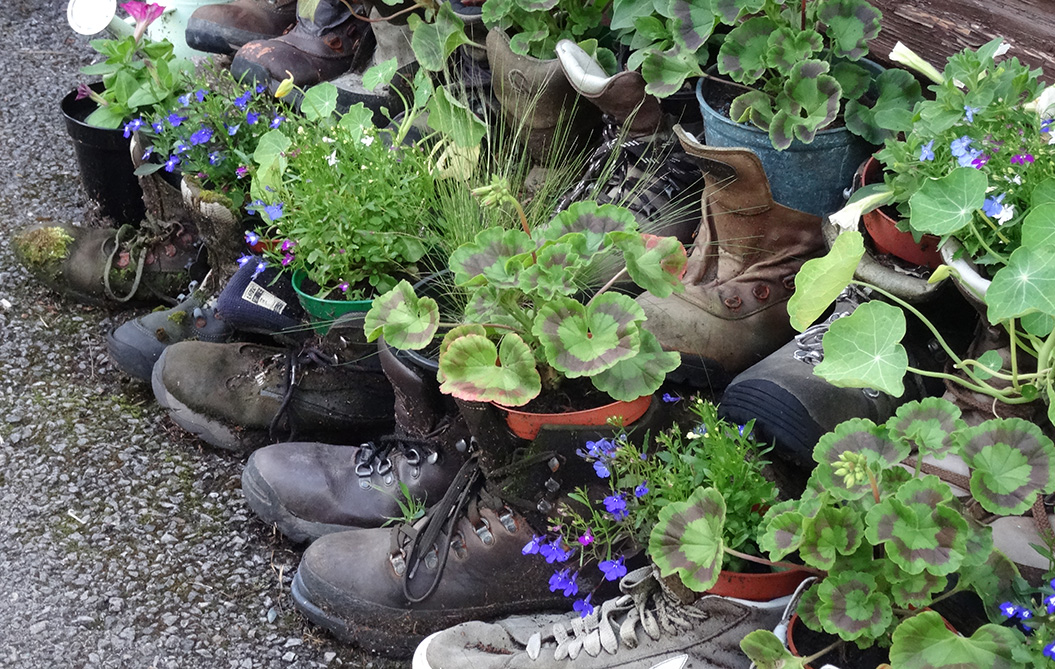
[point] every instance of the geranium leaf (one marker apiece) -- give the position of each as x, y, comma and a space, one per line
1025, 286
927, 424
924, 642
484, 306
1011, 461
475, 369
454, 334
860, 436
486, 258
834, 531
666, 71
851, 24
768, 652
852, 607
863, 350
405, 320
912, 590
553, 272
654, 263
943, 206
808, 103
687, 539
695, 21
582, 341
753, 107
782, 535
593, 220
742, 56
789, 47
640, 375
919, 530
821, 280
899, 91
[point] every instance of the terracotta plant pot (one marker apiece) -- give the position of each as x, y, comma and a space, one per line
527, 425
884, 231
758, 587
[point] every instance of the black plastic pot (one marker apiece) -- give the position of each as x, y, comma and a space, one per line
104, 161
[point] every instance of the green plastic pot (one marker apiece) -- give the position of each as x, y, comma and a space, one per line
325, 312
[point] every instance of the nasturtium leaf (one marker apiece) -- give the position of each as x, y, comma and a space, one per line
319, 101
687, 539
742, 56
1043, 193
989, 360
272, 146
1025, 286
405, 320
1038, 227
485, 260
864, 350
641, 374
593, 220
834, 531
433, 42
453, 118
654, 263
356, 120
927, 425
768, 652
924, 642
380, 74
584, 340
852, 607
476, 370
918, 531
1038, 324
820, 280
861, 437
944, 206
1011, 461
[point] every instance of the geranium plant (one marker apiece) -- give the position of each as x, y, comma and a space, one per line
139, 74
648, 493
895, 541
532, 319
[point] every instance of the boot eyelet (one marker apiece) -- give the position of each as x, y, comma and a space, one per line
733, 302
399, 563
508, 520
552, 485
484, 532
458, 546
389, 479
544, 506
432, 558
413, 456
415, 473
433, 458
364, 469
761, 291
364, 484
384, 467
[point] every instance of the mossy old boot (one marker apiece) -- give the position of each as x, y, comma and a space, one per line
740, 274
308, 489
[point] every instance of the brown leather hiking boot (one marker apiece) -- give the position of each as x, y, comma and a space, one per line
326, 42
740, 275
308, 489
225, 28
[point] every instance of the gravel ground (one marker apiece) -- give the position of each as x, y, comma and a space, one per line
123, 543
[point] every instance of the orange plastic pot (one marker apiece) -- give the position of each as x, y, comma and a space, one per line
885, 234
758, 587
526, 425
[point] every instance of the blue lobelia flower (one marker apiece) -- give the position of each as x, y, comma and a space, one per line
613, 569
992, 206
251, 117
132, 126
970, 111
184, 99
175, 119
1049, 651
554, 551
616, 505
158, 126
277, 121
1008, 609
180, 147
200, 94
260, 267
170, 164
201, 135
583, 606
565, 581
149, 152
232, 129
273, 211
251, 238
960, 146
253, 207
601, 469
641, 490
215, 158
532, 547
244, 260
926, 152
242, 100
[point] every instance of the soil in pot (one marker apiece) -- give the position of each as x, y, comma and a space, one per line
804, 642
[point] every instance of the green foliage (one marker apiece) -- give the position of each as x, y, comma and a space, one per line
535, 27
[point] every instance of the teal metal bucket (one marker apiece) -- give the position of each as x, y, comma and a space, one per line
809, 177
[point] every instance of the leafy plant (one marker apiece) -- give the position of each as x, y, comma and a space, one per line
536, 26
651, 489
530, 320
138, 73
894, 541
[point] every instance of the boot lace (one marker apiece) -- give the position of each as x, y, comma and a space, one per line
376, 456
643, 604
149, 236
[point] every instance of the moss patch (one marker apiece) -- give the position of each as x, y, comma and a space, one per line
41, 246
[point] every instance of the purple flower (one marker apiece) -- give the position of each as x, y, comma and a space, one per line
1021, 158
532, 547
554, 551
992, 206
343, 287
231, 129
926, 151
184, 99
254, 207
979, 160
288, 244
287, 259
215, 158
132, 126
273, 211
251, 117
84, 92
1008, 609
142, 12
1024, 614
171, 163
260, 88
613, 569
597, 449
200, 94
670, 399
149, 152
201, 135
970, 111
565, 581
180, 147
244, 260
277, 121
260, 267
1045, 125
601, 469
585, 608
175, 119
242, 100
158, 126
587, 538
641, 490
251, 238
241, 171
616, 505
1049, 651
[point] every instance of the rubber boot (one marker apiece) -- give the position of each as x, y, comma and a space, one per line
740, 274
535, 98
309, 489
224, 28
326, 42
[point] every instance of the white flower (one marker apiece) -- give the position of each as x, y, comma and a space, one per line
906, 56
1002, 49
328, 140
1007, 212
848, 217
367, 140
332, 158
1044, 105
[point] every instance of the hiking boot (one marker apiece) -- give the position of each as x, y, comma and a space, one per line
135, 346
135, 267
385, 589
242, 396
224, 28
326, 42
310, 489
740, 274
643, 628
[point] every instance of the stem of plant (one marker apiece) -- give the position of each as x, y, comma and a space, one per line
875, 485
995, 229
401, 12
1006, 396
781, 565
822, 652
611, 282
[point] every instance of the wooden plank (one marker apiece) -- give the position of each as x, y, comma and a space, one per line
935, 29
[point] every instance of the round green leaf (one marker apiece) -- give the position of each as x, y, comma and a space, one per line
863, 350
474, 369
944, 206
687, 539
821, 280
1011, 461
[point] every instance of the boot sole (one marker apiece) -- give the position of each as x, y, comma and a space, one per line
780, 419
210, 430
216, 38
261, 499
399, 641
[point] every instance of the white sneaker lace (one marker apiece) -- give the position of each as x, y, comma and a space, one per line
614, 624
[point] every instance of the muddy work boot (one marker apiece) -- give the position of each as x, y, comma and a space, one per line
740, 274
130, 266
243, 396
643, 628
224, 28
326, 42
308, 489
